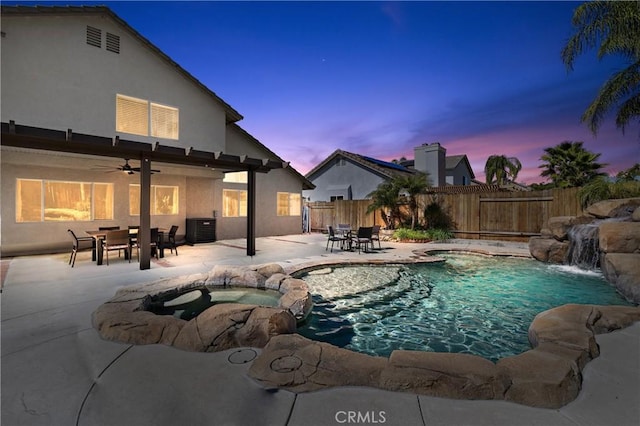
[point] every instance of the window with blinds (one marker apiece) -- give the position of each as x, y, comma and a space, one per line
288, 204
132, 115
57, 201
164, 121
141, 117
234, 203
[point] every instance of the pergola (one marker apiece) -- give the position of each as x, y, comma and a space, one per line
67, 141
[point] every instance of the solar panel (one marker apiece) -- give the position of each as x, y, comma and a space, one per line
386, 164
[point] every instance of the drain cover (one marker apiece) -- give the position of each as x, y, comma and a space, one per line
242, 356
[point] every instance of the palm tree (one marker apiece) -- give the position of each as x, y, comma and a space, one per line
630, 174
385, 198
568, 165
615, 26
412, 185
504, 169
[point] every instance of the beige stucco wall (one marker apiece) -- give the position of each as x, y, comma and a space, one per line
33, 237
267, 187
52, 78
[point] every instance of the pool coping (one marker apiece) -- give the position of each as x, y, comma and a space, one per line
562, 339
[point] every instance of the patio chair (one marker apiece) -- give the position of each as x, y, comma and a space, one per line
363, 237
171, 239
117, 240
375, 236
332, 237
155, 246
79, 244
133, 234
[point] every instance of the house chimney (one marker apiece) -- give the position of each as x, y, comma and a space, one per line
431, 158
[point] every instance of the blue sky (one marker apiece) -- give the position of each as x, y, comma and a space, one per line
379, 78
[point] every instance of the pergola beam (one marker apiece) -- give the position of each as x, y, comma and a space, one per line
115, 147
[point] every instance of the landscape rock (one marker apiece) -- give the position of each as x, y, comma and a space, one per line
296, 363
270, 269
635, 216
139, 328
619, 237
566, 326
444, 375
226, 275
613, 208
232, 325
623, 271
274, 281
541, 379
558, 226
298, 302
548, 249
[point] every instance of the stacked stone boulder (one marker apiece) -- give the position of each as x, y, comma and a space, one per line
619, 242
549, 375
127, 317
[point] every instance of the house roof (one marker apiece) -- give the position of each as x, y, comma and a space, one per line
452, 161
380, 167
231, 114
306, 184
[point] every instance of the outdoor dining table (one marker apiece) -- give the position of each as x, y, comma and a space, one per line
99, 235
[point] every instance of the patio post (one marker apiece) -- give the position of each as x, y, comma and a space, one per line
144, 233
251, 212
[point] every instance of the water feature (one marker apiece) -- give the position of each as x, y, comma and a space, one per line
584, 247
469, 304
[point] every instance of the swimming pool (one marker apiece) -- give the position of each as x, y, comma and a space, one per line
469, 304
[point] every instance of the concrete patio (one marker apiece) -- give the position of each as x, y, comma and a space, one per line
57, 371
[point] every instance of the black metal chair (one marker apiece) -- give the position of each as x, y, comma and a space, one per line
155, 242
333, 238
79, 244
363, 237
171, 239
133, 234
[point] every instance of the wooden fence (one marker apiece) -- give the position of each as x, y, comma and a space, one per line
510, 216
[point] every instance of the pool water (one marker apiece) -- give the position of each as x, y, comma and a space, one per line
190, 304
469, 304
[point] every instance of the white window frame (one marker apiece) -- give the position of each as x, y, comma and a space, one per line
294, 204
43, 207
242, 206
141, 117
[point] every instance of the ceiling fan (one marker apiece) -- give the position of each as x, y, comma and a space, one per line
126, 168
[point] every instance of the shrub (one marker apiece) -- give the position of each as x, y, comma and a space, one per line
437, 234
600, 189
435, 217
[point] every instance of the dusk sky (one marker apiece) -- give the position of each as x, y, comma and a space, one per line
379, 78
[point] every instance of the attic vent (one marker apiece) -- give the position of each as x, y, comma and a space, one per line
94, 36
113, 43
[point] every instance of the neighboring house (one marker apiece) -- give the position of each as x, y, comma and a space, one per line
429, 158
348, 176
82, 92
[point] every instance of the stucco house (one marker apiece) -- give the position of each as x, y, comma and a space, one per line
347, 176
100, 128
